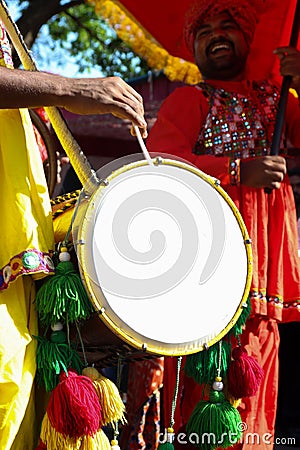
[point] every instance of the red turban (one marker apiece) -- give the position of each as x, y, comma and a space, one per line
244, 13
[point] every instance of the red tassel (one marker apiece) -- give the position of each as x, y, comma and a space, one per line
41, 446
74, 409
244, 374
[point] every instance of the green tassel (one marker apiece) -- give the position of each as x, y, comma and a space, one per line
63, 296
53, 357
237, 329
202, 365
165, 446
214, 423
168, 444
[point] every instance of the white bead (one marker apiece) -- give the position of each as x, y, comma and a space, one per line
58, 326
217, 386
64, 256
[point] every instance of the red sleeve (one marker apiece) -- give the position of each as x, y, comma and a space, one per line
177, 127
293, 120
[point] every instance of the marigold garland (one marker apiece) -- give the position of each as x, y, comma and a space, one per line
144, 45
176, 69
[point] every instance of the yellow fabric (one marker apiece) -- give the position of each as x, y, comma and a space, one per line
26, 216
62, 223
17, 364
26, 223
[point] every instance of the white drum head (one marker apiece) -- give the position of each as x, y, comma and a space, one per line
165, 256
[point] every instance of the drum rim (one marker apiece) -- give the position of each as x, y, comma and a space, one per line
152, 349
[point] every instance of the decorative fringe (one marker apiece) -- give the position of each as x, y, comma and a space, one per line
244, 374
214, 423
113, 408
202, 365
237, 329
63, 295
168, 444
53, 357
74, 409
52, 440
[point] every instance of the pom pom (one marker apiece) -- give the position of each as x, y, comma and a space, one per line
202, 365
214, 423
53, 357
74, 409
63, 295
111, 403
244, 374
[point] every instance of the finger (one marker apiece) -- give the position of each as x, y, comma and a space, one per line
126, 111
275, 185
126, 89
143, 131
285, 51
136, 104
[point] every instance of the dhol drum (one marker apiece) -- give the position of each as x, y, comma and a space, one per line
166, 258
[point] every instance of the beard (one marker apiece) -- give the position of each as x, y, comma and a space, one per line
223, 68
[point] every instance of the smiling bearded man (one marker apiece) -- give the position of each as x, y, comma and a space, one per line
225, 127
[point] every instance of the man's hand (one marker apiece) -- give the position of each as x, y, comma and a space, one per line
290, 64
106, 95
34, 89
263, 172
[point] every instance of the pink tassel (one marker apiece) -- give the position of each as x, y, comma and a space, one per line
74, 409
41, 446
244, 374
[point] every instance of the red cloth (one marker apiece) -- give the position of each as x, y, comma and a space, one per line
270, 219
143, 405
271, 223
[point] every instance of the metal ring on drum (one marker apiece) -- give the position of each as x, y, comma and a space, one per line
164, 254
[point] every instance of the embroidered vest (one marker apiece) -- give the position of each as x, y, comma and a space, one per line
236, 126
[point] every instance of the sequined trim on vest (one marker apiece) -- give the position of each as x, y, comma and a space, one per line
28, 262
236, 126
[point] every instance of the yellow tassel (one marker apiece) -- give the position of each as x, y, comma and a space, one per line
113, 408
56, 441
98, 442
235, 402
114, 445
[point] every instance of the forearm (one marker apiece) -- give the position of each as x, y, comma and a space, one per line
23, 89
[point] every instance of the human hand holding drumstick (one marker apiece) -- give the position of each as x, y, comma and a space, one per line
32, 89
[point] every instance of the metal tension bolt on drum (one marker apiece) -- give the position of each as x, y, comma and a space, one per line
164, 255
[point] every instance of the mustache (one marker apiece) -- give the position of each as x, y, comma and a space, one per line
215, 41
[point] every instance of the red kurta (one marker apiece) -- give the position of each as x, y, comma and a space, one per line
271, 223
270, 219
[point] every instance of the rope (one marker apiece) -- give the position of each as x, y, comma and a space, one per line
175, 395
